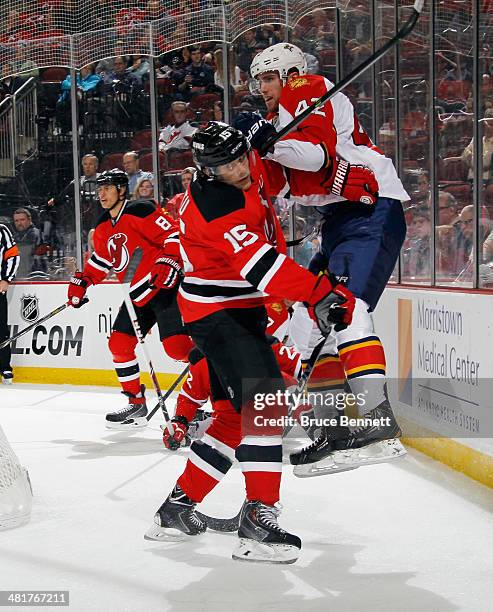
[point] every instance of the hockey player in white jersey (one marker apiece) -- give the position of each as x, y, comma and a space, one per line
330, 162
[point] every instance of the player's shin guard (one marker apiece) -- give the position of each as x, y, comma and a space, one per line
122, 347
206, 466
260, 460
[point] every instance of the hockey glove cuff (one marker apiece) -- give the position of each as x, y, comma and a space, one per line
331, 304
77, 289
180, 428
355, 183
165, 273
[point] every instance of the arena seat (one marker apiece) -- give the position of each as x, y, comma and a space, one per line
112, 160
145, 162
141, 140
56, 74
205, 100
178, 161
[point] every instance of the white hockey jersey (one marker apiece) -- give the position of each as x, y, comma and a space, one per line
176, 136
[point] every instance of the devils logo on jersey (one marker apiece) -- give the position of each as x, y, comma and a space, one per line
118, 251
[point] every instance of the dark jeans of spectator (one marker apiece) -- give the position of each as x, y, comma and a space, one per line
4, 334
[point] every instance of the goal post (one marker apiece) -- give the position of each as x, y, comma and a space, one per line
15, 488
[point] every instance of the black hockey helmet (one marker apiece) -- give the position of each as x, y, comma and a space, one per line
217, 144
115, 177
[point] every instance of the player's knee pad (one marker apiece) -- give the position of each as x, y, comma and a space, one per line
226, 426
122, 346
178, 347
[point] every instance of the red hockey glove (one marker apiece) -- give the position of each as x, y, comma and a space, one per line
180, 428
355, 183
331, 304
77, 289
165, 273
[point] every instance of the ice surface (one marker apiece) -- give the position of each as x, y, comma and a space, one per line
408, 536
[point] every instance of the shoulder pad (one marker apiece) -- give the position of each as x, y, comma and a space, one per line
140, 208
215, 199
104, 217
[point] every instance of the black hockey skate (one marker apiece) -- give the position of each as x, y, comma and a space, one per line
376, 442
175, 519
261, 538
133, 416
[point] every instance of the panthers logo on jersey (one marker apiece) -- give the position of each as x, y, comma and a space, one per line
118, 251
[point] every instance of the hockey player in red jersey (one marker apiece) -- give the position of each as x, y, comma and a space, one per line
123, 227
330, 162
232, 249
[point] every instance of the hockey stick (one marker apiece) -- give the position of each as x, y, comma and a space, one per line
221, 524
168, 392
402, 33
129, 274
33, 325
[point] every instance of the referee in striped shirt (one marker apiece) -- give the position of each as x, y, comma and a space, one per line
9, 262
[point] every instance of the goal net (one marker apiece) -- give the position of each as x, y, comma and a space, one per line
15, 488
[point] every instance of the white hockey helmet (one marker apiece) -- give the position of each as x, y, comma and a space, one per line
281, 58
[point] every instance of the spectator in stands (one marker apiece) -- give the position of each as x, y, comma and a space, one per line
155, 10
90, 164
105, 66
29, 243
22, 65
10, 82
423, 192
417, 258
89, 202
235, 74
448, 235
86, 81
467, 155
197, 78
140, 67
144, 190
120, 77
173, 204
133, 171
178, 135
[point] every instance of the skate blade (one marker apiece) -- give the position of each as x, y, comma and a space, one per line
378, 452
7, 381
137, 423
252, 551
321, 468
164, 534
347, 460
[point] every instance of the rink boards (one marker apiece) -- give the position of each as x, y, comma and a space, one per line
438, 346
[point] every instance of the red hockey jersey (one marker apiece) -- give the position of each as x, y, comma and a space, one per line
139, 224
301, 159
233, 249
